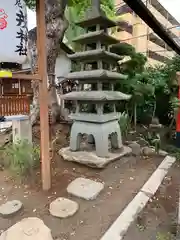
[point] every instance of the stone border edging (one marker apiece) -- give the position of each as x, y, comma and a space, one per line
119, 228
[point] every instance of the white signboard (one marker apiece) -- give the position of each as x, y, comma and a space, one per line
13, 31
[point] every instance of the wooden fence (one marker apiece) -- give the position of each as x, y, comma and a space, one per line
14, 105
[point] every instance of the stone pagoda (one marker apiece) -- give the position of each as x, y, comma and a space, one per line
95, 113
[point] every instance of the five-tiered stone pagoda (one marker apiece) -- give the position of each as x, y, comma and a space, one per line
95, 113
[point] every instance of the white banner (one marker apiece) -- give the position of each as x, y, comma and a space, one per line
13, 31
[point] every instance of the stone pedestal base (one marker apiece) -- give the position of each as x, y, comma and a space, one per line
22, 130
98, 132
90, 158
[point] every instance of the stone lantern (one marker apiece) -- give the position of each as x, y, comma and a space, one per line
95, 113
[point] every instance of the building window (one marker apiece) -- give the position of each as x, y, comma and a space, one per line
15, 85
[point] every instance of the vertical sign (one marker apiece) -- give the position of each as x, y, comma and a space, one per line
13, 31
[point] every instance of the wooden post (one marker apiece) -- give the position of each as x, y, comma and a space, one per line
43, 95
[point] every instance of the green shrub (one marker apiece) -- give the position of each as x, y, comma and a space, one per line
163, 236
173, 151
21, 158
124, 123
152, 138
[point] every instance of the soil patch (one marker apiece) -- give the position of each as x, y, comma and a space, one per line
122, 179
158, 221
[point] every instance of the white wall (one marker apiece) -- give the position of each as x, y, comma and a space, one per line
26, 66
63, 66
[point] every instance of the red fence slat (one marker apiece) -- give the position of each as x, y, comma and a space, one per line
14, 105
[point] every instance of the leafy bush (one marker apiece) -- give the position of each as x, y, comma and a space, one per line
124, 123
153, 89
173, 151
163, 236
123, 49
21, 158
152, 138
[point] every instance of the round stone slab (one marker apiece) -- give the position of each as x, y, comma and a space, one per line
85, 188
10, 208
63, 208
28, 229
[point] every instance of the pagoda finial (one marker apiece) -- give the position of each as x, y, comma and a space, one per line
96, 4
95, 9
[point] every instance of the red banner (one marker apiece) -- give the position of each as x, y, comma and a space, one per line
178, 115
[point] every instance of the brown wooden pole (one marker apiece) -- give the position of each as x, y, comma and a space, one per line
26, 76
43, 95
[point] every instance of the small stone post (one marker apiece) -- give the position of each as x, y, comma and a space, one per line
22, 129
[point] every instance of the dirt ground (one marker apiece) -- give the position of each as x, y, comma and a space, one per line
122, 179
158, 221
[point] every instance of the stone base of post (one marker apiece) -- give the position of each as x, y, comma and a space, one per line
22, 129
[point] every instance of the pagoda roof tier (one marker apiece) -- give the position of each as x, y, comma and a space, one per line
94, 55
101, 20
96, 118
96, 96
96, 75
93, 37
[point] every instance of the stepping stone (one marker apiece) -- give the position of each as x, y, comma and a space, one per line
162, 153
28, 229
63, 208
10, 208
149, 151
85, 188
